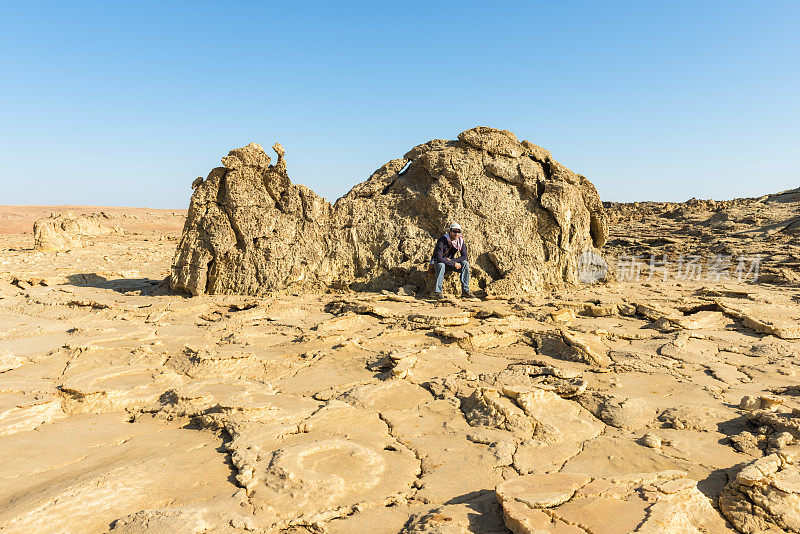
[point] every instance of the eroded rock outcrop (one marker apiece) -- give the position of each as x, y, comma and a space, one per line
64, 231
764, 496
527, 219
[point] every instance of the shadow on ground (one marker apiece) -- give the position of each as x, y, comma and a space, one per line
144, 286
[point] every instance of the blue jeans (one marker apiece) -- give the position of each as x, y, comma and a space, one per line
442, 268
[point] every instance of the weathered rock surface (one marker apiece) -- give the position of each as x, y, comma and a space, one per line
747, 238
777, 320
658, 502
482, 514
546, 429
764, 496
527, 219
629, 414
64, 231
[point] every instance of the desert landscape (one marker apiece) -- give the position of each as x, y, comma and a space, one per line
267, 361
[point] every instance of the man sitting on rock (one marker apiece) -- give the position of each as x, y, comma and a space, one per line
450, 254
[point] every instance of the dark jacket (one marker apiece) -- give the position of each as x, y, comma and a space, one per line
444, 252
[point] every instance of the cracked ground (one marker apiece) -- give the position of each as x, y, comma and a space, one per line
638, 406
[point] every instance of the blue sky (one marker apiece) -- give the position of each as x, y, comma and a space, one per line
125, 103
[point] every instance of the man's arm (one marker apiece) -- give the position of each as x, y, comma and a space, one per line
438, 254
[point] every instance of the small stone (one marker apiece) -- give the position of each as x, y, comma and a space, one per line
590, 347
629, 414
541, 491
750, 403
779, 440
769, 402
600, 310
747, 443
651, 440
759, 470
563, 315
444, 317
790, 454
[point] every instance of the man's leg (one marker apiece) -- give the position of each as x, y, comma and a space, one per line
464, 276
440, 269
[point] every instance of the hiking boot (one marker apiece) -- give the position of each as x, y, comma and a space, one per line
467, 294
437, 296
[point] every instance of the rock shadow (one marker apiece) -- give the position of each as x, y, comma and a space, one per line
477, 511
468, 498
712, 485
145, 286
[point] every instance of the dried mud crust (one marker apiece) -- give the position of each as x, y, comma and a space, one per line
640, 407
721, 231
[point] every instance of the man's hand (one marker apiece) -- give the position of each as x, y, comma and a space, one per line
458, 266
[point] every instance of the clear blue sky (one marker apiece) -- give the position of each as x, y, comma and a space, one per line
125, 103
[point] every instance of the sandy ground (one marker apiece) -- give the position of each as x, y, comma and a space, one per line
20, 219
124, 407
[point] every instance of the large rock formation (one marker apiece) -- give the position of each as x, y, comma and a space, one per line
527, 219
63, 231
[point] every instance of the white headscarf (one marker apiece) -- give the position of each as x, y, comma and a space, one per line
458, 243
